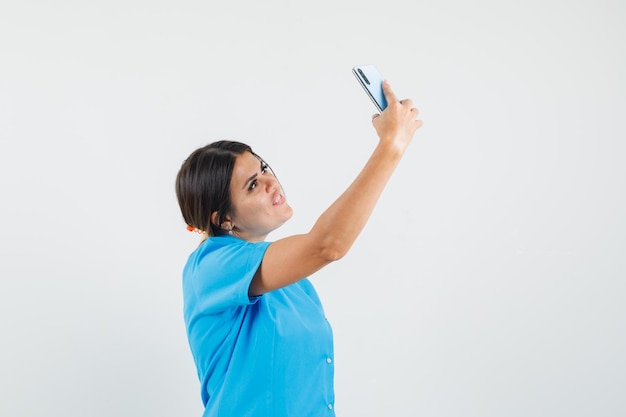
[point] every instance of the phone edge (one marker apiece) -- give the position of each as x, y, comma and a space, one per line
369, 93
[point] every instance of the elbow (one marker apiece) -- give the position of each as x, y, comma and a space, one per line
330, 245
332, 256
334, 250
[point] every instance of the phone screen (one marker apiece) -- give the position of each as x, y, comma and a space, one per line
372, 82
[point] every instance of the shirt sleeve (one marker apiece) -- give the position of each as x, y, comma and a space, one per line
222, 274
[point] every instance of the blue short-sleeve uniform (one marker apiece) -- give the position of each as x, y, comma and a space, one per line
264, 356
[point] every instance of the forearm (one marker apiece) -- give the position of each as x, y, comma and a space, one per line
339, 226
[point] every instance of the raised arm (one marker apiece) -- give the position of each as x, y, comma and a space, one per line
293, 258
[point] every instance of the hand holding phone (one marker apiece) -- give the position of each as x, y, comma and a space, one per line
372, 82
399, 123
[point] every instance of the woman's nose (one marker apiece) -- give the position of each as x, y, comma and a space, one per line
270, 184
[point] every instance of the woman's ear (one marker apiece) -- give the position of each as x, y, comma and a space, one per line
215, 217
226, 221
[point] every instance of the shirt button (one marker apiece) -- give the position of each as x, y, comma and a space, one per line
330, 406
329, 360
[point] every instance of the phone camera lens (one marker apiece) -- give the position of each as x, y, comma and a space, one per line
364, 77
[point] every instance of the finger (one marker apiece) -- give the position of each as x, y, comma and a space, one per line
407, 102
389, 94
375, 115
415, 111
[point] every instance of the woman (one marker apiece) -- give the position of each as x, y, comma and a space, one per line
256, 327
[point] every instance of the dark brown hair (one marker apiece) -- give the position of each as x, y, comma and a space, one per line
203, 184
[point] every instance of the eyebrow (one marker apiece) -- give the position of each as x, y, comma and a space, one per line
253, 176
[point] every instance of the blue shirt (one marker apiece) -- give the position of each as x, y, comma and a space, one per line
264, 356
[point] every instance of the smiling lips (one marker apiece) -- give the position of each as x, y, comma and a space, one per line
278, 199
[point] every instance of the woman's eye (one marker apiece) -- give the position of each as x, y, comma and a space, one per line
264, 168
252, 185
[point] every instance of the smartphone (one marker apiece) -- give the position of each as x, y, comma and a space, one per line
372, 82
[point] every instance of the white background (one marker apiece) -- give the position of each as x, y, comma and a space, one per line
489, 281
